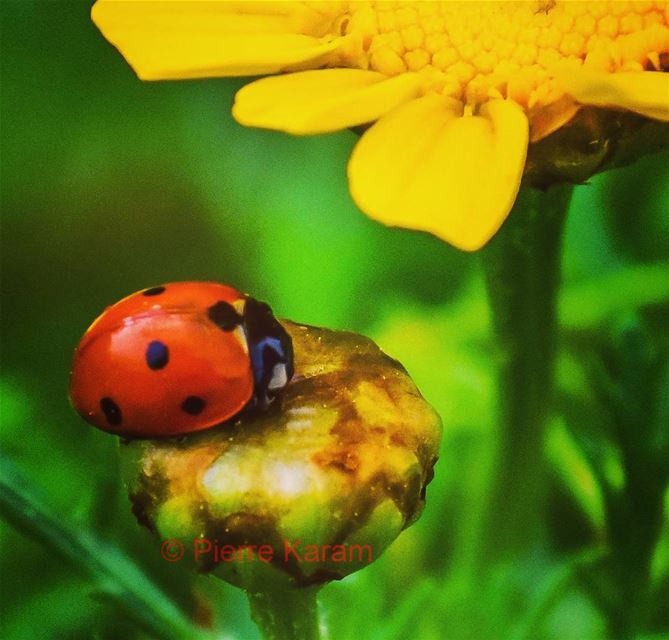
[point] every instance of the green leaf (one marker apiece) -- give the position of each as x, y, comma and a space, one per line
112, 573
592, 302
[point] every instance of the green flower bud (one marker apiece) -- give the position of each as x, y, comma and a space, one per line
310, 491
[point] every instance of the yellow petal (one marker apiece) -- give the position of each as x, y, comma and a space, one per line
644, 92
425, 167
163, 39
323, 100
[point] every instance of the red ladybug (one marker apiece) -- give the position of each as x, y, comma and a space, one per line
179, 358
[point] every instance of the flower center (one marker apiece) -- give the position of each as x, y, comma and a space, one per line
476, 50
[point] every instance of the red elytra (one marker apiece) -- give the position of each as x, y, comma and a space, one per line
164, 361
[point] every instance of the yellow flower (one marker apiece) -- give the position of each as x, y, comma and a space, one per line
455, 90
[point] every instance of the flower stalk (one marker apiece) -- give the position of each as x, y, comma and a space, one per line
522, 272
286, 614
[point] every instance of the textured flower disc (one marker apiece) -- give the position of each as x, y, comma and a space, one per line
343, 461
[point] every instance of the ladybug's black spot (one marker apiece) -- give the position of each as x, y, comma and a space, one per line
111, 410
157, 355
153, 291
193, 405
223, 314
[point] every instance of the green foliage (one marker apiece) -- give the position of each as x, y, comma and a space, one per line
116, 577
110, 185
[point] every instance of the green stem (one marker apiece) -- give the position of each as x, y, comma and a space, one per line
286, 614
522, 270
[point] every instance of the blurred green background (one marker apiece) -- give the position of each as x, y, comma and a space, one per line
110, 185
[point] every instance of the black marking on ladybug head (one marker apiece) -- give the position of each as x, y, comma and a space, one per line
153, 291
224, 315
270, 348
157, 355
193, 405
111, 410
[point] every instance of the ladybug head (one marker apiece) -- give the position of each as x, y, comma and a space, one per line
270, 350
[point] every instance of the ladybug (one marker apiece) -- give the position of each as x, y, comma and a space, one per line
179, 358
